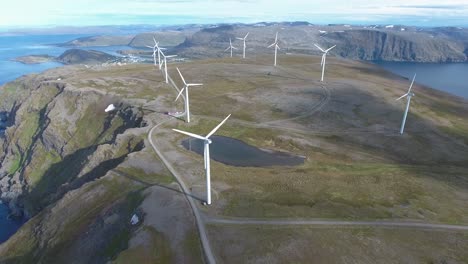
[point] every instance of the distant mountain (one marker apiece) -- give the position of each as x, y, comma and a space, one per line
388, 43
165, 38
396, 46
373, 42
95, 41
78, 56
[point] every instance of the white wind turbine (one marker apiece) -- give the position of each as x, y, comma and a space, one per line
230, 47
156, 48
243, 39
408, 96
165, 64
276, 46
324, 58
154, 53
206, 151
186, 86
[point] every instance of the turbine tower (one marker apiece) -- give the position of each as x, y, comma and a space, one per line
186, 86
165, 64
276, 46
230, 47
324, 58
408, 96
243, 39
206, 151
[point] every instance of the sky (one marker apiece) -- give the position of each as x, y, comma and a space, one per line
46, 13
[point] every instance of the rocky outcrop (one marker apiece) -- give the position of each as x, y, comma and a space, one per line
78, 56
57, 139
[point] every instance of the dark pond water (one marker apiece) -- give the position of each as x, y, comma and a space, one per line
234, 152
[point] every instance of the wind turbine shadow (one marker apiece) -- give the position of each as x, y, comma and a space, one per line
149, 184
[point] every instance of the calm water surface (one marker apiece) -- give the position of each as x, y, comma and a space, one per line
234, 152
448, 77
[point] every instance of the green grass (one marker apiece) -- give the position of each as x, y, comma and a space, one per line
287, 244
15, 165
157, 250
148, 178
40, 163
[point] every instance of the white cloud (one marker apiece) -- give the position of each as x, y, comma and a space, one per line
82, 12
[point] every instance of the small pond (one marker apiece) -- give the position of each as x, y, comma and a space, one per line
234, 152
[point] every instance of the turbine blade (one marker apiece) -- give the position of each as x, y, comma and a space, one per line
150, 47
319, 48
217, 127
189, 134
411, 86
402, 96
323, 59
271, 45
247, 35
277, 46
276, 38
240, 38
330, 48
227, 49
171, 56
234, 47
180, 93
182, 77
194, 84
155, 41
204, 154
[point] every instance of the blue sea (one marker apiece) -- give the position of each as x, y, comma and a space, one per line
15, 46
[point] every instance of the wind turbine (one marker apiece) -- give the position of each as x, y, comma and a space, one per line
408, 96
276, 46
206, 151
158, 49
324, 57
165, 63
243, 39
154, 53
230, 47
186, 86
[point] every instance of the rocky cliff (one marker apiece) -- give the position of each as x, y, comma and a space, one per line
396, 46
57, 139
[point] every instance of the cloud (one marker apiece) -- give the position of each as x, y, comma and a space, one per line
105, 12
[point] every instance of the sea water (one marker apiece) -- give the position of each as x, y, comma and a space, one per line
449, 77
